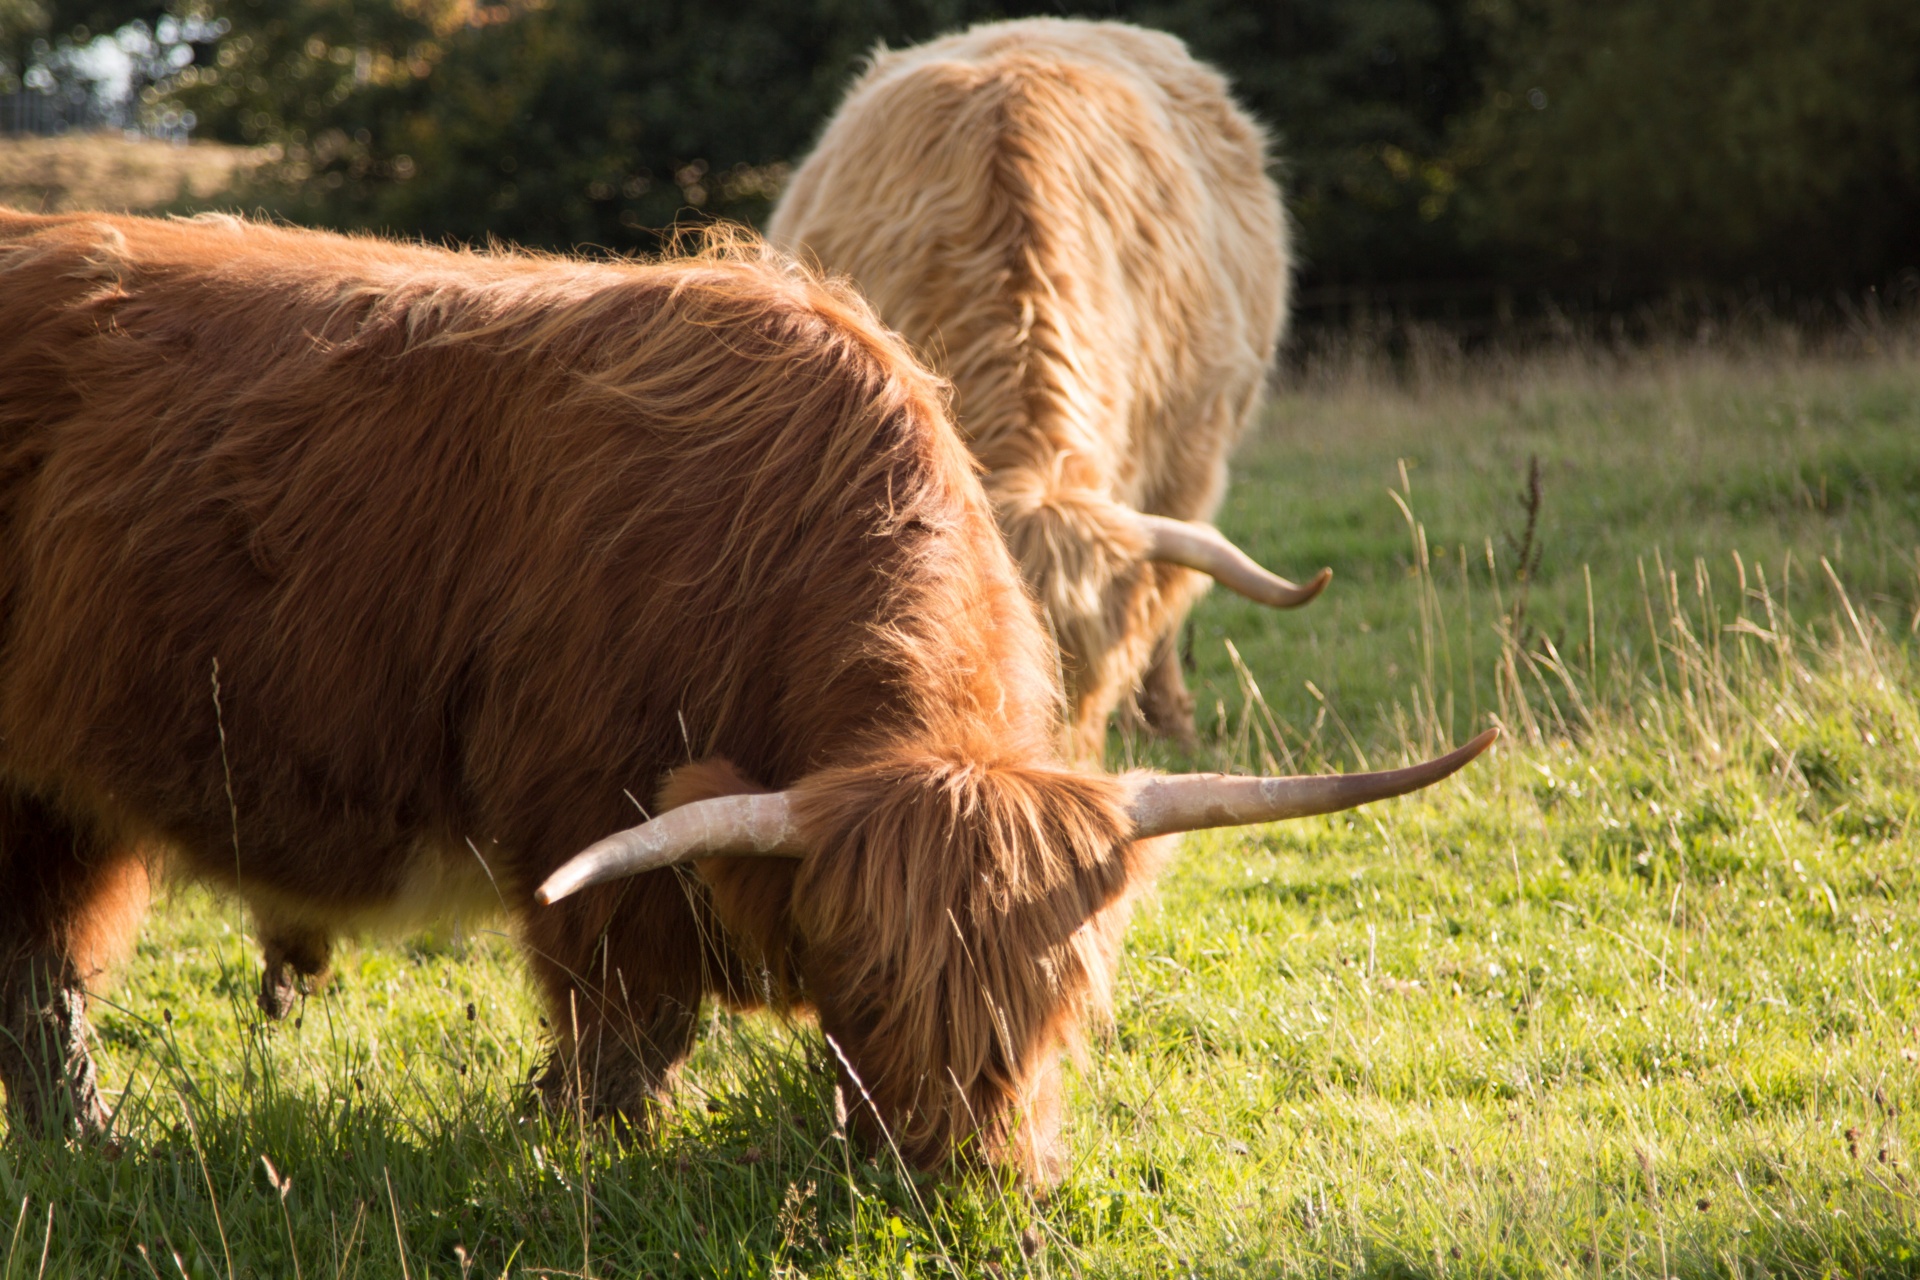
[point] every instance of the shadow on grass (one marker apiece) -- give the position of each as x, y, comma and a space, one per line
392, 1175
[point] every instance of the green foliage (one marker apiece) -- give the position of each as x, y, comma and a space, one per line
21, 23
586, 122
45, 48
1648, 142
1361, 95
1517, 144
575, 122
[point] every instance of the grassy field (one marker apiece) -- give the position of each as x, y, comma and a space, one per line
1636, 995
110, 171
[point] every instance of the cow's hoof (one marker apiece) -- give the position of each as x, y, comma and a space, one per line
279, 988
618, 1106
296, 964
1170, 718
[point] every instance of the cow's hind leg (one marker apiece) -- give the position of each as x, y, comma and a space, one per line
296, 961
69, 905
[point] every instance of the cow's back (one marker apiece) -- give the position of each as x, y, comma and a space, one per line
1075, 223
403, 545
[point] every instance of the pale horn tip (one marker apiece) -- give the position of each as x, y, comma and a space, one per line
1312, 587
561, 884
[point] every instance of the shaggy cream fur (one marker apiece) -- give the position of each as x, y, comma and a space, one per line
1074, 222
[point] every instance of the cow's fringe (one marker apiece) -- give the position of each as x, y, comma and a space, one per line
955, 927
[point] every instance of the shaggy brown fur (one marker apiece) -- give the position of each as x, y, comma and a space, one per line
370, 579
1074, 222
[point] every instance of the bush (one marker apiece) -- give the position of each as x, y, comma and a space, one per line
1432, 149
1643, 143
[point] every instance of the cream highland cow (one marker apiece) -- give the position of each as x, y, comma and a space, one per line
1074, 223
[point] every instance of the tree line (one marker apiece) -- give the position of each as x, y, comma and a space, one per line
1427, 147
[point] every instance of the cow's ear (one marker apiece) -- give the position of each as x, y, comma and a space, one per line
704, 780
750, 896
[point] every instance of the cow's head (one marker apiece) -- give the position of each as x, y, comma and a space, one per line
955, 918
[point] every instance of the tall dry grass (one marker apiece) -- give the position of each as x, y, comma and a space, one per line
111, 172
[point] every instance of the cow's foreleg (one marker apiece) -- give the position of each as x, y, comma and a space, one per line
69, 905
1164, 699
617, 1065
623, 968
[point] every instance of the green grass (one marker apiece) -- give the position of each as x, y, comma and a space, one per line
1635, 995
1756, 465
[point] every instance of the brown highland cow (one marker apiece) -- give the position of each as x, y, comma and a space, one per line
1074, 223
369, 580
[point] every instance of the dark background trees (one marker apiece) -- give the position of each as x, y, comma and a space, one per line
1430, 148
1772, 141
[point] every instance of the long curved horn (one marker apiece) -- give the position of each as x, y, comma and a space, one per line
759, 825
1203, 547
1194, 801
762, 825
